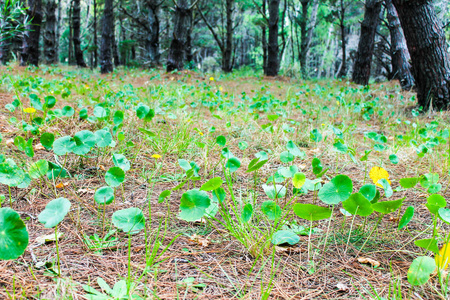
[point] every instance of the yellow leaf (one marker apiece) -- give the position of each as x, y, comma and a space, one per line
443, 258
377, 173
29, 110
61, 185
156, 156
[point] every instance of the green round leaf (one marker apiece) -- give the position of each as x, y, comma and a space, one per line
298, 180
428, 244
193, 205
67, 111
118, 117
337, 190
13, 234
47, 140
420, 270
434, 202
84, 141
406, 218
121, 161
164, 195
387, 207
274, 191
369, 191
444, 214
271, 210
311, 212
393, 158
357, 204
10, 173
286, 157
38, 169
212, 184
104, 195
221, 141
233, 164
100, 112
103, 138
114, 177
408, 183
288, 172
49, 102
54, 212
130, 220
285, 237
247, 213
63, 145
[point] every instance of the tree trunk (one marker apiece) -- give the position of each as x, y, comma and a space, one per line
58, 27
152, 39
303, 35
366, 45
49, 35
177, 50
30, 50
107, 28
264, 38
343, 69
76, 22
227, 55
95, 36
273, 62
425, 38
114, 46
401, 68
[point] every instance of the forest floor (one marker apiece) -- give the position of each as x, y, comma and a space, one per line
219, 122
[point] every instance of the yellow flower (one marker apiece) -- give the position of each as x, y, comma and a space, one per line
156, 156
201, 133
377, 173
323, 124
338, 103
29, 110
211, 78
442, 259
220, 88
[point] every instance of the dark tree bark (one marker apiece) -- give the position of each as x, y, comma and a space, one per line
401, 68
177, 50
76, 21
58, 27
95, 36
30, 50
425, 38
5, 52
306, 32
152, 40
49, 35
264, 37
107, 28
366, 45
273, 62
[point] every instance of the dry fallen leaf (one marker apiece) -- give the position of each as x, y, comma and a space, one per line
279, 249
85, 191
199, 240
62, 185
38, 147
366, 260
102, 167
40, 240
9, 142
342, 287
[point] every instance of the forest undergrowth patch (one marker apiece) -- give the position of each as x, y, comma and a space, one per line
146, 185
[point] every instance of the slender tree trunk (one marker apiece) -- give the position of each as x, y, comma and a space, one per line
107, 28
30, 50
227, 55
152, 39
5, 45
399, 51
58, 29
343, 69
366, 45
177, 50
264, 38
49, 35
303, 36
114, 46
76, 21
425, 38
70, 52
95, 36
273, 62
